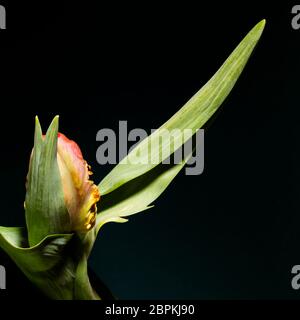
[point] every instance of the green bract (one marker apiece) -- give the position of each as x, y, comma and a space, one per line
46, 212
52, 256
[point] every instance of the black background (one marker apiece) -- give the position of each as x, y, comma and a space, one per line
232, 233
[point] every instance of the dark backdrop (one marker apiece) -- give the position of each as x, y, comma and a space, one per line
232, 232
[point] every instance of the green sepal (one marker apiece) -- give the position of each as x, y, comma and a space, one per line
46, 212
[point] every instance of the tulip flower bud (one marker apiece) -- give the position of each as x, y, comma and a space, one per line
81, 195
60, 197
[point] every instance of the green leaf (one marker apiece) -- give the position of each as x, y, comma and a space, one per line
137, 195
57, 265
46, 212
192, 116
46, 264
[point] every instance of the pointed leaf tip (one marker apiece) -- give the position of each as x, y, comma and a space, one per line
263, 22
37, 124
38, 135
54, 124
259, 28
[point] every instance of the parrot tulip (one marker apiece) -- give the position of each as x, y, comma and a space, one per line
61, 201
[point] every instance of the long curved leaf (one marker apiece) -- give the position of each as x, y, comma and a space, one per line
192, 116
